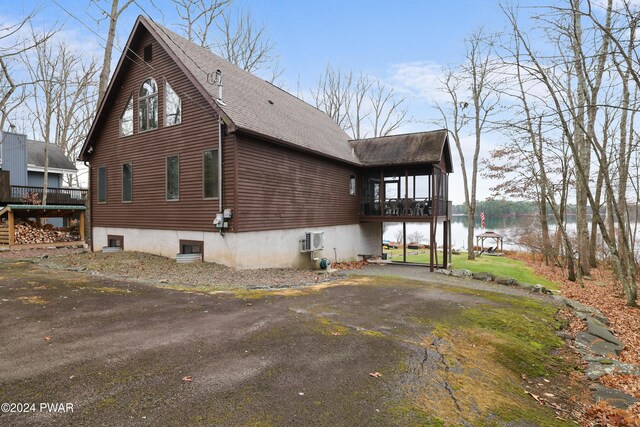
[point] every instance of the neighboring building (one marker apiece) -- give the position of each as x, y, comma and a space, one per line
240, 172
22, 166
25, 160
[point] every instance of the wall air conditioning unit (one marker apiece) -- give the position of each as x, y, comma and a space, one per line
313, 241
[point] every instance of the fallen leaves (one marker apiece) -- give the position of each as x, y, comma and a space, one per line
336, 334
353, 265
187, 379
47, 338
607, 415
605, 294
375, 374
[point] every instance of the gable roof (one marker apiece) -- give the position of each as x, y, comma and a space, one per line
254, 106
251, 104
409, 148
57, 159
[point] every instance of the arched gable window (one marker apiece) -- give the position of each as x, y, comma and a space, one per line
126, 120
148, 106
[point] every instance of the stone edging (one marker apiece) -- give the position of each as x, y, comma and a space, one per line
489, 277
597, 346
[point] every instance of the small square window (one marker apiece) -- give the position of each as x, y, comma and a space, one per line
115, 241
192, 247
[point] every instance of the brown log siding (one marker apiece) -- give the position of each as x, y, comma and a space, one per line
147, 153
282, 188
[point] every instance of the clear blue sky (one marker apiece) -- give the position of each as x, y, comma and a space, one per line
405, 43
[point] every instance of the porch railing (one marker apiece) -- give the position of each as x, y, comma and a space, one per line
55, 196
425, 207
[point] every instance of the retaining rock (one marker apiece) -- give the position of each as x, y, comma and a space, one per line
487, 277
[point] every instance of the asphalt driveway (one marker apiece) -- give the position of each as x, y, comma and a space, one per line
113, 353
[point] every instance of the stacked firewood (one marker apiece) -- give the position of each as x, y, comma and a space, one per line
32, 232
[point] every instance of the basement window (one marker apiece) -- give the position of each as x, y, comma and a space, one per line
192, 247
114, 241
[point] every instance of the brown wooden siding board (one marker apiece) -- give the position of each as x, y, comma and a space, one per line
282, 188
147, 152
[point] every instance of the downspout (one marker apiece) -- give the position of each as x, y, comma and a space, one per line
90, 197
220, 164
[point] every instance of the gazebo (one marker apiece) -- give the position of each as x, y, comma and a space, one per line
480, 238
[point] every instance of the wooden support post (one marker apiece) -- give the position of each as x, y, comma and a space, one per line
12, 233
404, 241
431, 246
450, 247
382, 192
82, 214
445, 244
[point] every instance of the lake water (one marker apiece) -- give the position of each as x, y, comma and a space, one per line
511, 228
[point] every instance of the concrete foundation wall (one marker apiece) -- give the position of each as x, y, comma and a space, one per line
260, 249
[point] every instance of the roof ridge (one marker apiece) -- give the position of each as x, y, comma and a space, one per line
399, 134
247, 73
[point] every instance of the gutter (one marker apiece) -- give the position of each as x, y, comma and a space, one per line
90, 196
296, 147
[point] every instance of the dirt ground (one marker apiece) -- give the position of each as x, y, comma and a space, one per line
350, 352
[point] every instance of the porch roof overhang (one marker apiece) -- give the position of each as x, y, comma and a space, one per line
406, 150
26, 211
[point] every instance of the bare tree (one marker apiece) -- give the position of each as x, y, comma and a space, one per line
111, 12
62, 99
12, 45
398, 236
334, 95
245, 43
198, 18
361, 106
473, 99
416, 237
577, 115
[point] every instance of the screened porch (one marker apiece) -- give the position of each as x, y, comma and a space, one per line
408, 194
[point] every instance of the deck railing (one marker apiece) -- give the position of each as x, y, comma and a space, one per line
423, 207
55, 196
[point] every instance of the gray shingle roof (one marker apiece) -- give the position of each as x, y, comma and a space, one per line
57, 159
256, 105
421, 147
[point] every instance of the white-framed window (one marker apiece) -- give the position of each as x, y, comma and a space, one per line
172, 106
126, 120
148, 106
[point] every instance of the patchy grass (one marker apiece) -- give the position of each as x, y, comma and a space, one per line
35, 300
499, 266
503, 266
488, 349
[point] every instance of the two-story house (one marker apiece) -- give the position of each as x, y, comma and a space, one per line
189, 153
